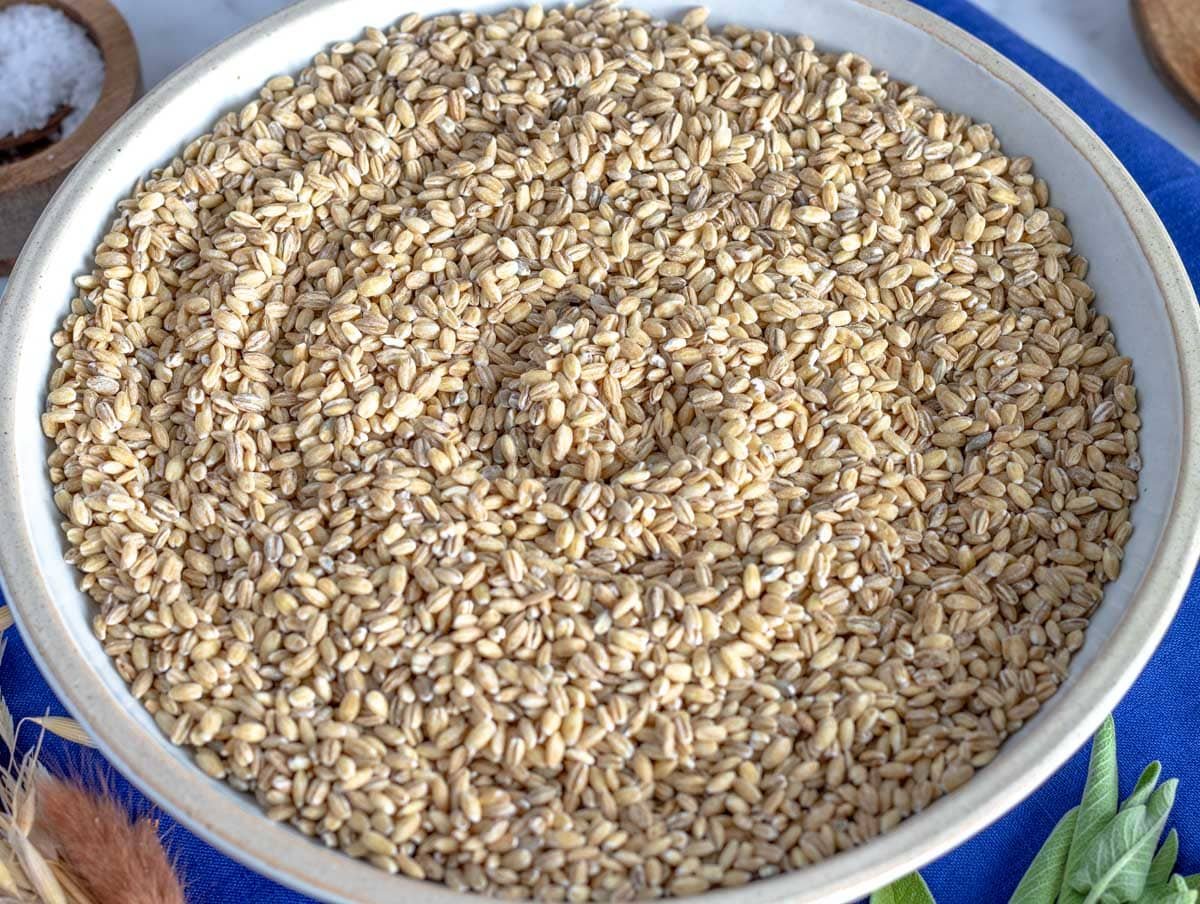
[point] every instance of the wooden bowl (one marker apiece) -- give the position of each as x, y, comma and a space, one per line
1170, 31
26, 183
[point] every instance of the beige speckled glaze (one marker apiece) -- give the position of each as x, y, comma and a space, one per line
1141, 285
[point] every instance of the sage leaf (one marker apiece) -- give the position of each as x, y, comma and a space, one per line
1068, 895
1193, 881
1114, 867
1164, 861
1180, 887
1176, 892
909, 890
1044, 878
1145, 786
1109, 852
1098, 806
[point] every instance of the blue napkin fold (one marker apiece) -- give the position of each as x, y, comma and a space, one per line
1158, 719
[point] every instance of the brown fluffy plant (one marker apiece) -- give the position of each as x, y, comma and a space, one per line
61, 843
119, 859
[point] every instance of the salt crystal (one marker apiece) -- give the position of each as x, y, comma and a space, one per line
46, 61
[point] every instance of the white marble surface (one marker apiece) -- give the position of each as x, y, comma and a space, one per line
1095, 37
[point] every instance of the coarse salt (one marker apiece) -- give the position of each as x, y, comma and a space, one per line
46, 61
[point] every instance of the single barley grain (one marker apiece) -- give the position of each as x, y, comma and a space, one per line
573, 455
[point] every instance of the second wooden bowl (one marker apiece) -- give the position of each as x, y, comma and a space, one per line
1170, 31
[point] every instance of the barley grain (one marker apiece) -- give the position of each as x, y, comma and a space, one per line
572, 455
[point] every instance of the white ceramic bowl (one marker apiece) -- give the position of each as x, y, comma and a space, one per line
1139, 279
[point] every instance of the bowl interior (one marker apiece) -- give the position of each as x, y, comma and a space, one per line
907, 42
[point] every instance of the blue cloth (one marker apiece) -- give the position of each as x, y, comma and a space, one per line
1157, 720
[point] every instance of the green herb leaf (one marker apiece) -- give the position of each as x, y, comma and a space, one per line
1144, 787
1161, 801
1115, 865
1111, 851
1098, 806
1193, 881
1179, 885
909, 890
1068, 895
1180, 888
1176, 892
1044, 878
1164, 861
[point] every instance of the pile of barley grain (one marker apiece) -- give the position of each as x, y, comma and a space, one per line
569, 454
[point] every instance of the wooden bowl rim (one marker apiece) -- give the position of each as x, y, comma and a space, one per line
1147, 22
109, 31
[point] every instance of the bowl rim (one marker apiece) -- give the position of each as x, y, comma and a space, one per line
1031, 757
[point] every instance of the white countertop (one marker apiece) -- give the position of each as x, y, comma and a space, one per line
1095, 37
